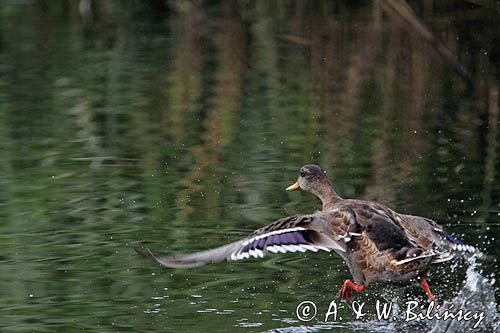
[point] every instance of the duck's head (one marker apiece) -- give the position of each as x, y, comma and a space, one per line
313, 179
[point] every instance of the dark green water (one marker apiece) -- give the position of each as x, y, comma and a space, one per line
179, 124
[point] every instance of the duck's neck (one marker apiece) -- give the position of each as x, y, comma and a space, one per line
327, 195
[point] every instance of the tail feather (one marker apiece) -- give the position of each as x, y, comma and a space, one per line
448, 237
456, 247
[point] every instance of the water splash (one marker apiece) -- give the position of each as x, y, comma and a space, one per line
477, 295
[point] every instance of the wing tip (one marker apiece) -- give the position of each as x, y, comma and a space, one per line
168, 261
144, 252
178, 262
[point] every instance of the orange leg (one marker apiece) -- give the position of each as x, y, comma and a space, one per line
348, 287
425, 287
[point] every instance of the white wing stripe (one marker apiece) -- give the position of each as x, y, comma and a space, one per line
275, 232
272, 249
289, 248
310, 248
282, 248
299, 248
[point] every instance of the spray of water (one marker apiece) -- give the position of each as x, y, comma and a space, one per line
478, 296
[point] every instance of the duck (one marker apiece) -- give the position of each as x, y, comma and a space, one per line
376, 243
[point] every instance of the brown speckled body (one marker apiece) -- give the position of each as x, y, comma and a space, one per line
385, 237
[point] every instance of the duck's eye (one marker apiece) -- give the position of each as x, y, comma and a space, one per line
302, 174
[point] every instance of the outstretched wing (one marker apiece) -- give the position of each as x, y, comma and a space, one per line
299, 233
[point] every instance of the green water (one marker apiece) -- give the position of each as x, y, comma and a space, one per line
179, 124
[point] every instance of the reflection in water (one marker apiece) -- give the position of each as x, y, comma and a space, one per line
177, 122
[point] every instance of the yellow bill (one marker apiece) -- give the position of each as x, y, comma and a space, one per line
293, 187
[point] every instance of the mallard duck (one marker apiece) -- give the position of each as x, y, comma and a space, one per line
376, 243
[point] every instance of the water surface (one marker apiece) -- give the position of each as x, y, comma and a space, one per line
178, 125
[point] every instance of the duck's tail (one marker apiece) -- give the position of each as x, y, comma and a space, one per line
453, 247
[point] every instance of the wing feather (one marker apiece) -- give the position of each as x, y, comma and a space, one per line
298, 233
